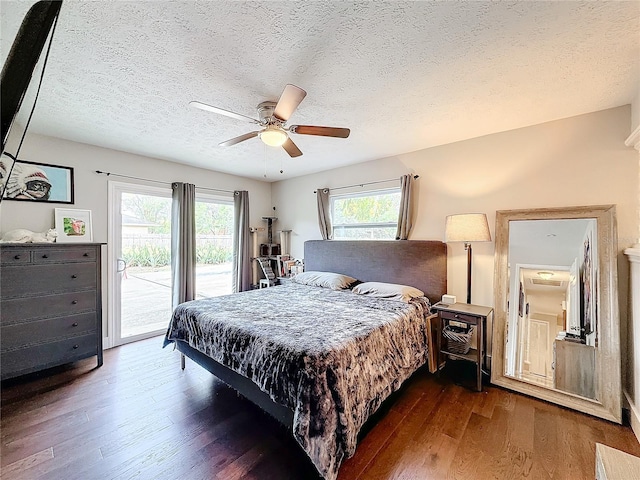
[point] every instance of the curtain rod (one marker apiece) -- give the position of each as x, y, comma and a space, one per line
415, 177
159, 181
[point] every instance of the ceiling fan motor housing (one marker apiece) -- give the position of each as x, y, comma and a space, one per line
265, 112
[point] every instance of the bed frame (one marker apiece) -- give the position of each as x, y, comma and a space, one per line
419, 263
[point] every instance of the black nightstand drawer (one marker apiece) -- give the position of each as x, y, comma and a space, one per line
461, 317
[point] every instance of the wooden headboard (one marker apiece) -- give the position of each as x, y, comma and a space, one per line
419, 263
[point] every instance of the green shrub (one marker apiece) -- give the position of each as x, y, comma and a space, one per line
160, 256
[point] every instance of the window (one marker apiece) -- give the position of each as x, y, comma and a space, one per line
214, 251
366, 216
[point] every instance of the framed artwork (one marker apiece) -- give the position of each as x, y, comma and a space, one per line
73, 225
35, 182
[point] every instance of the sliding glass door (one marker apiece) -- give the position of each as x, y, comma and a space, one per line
140, 261
140, 257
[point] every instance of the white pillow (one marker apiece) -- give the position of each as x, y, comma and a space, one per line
390, 291
334, 281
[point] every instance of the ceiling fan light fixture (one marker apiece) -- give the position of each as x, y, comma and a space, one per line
273, 136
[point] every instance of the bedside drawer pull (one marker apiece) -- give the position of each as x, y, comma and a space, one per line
75, 347
74, 324
457, 316
17, 257
85, 255
45, 256
74, 302
74, 276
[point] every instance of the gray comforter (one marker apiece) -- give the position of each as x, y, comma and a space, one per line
330, 356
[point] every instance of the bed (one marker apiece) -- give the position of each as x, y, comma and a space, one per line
321, 361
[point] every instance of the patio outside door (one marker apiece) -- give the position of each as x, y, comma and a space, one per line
139, 262
140, 257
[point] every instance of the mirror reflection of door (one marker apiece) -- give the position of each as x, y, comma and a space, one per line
553, 288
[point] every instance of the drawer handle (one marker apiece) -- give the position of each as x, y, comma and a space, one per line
85, 255
45, 256
74, 302
75, 324
75, 347
17, 257
457, 316
74, 276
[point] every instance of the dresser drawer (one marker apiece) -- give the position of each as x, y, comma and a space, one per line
43, 279
41, 331
460, 317
15, 256
19, 310
73, 254
26, 360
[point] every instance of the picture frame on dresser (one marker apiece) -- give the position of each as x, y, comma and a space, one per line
73, 225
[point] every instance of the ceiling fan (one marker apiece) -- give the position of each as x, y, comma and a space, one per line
273, 117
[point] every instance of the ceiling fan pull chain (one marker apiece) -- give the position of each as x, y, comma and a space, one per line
265, 159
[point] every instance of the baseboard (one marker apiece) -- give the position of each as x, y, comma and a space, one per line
634, 416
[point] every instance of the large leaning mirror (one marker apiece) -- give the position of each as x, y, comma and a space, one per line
556, 330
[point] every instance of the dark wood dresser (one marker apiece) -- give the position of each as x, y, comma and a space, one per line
50, 305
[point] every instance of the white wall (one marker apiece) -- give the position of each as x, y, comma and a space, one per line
577, 161
91, 188
635, 130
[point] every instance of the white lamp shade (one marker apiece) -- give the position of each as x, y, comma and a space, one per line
467, 227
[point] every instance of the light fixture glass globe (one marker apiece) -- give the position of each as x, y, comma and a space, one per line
545, 275
273, 136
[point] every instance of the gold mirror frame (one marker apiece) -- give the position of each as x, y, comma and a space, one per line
607, 362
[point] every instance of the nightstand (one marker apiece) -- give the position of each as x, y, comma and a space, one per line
463, 315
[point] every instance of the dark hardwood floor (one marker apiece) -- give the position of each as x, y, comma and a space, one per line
140, 416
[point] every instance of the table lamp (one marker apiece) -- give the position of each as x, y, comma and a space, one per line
467, 228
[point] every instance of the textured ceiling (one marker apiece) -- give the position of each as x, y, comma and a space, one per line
402, 75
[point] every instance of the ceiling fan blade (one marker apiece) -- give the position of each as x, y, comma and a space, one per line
222, 111
322, 131
239, 139
288, 102
291, 148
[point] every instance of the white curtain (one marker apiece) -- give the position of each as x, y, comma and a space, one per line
183, 243
241, 242
324, 213
406, 208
